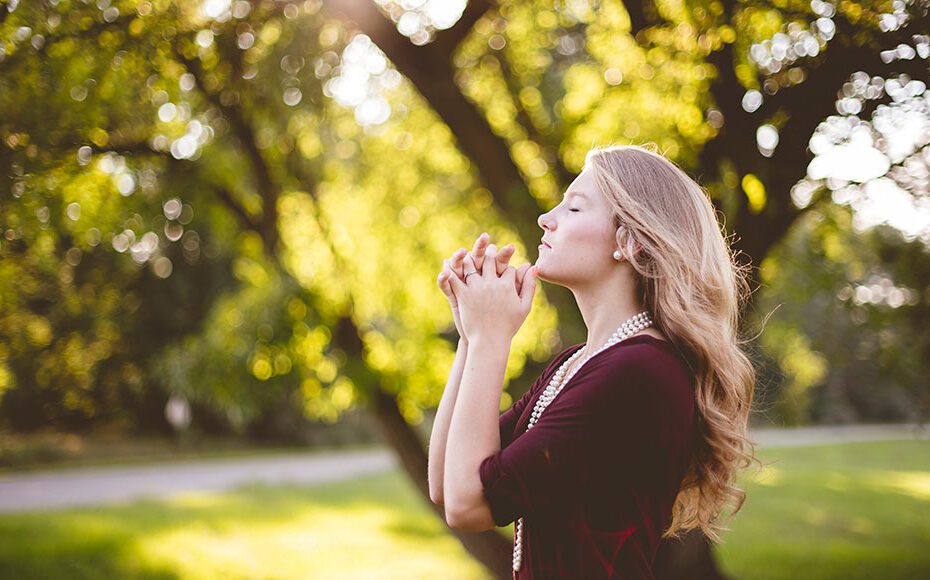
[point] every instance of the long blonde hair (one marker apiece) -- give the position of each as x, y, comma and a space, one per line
691, 283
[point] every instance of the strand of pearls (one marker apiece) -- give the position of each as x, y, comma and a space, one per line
558, 381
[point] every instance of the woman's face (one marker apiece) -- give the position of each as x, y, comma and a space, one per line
580, 235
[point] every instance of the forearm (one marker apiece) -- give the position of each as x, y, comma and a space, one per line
474, 432
440, 432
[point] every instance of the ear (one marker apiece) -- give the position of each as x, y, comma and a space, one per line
625, 240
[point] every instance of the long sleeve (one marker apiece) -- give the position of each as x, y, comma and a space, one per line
542, 465
625, 406
510, 417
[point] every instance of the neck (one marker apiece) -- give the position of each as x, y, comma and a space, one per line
606, 306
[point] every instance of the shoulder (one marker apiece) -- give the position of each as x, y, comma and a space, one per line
647, 355
642, 366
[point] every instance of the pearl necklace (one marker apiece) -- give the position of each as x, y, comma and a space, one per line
558, 381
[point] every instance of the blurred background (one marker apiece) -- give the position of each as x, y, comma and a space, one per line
221, 222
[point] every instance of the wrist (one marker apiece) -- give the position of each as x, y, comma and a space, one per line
489, 343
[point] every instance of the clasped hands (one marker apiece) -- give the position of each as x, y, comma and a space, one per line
492, 303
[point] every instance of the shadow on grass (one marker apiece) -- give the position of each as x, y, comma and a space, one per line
117, 541
51, 550
852, 511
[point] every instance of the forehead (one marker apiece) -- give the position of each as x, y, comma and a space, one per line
583, 187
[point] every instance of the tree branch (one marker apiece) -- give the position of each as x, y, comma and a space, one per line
121, 23
845, 54
226, 197
550, 153
643, 14
431, 71
447, 40
223, 194
365, 15
267, 187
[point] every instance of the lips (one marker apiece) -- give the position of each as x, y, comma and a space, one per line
545, 244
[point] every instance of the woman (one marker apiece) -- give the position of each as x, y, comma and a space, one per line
634, 435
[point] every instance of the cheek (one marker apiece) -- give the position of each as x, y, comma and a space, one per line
581, 249
593, 237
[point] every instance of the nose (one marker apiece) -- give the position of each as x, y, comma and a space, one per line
544, 221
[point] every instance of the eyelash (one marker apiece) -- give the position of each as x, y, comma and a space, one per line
573, 209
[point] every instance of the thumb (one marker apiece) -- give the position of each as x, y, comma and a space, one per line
529, 286
456, 283
447, 290
444, 280
521, 274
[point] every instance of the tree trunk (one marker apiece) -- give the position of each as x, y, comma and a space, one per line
688, 558
431, 72
490, 548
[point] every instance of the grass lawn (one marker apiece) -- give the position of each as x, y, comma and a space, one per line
370, 527
844, 511
853, 511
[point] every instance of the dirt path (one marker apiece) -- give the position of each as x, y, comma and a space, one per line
55, 489
828, 434
88, 486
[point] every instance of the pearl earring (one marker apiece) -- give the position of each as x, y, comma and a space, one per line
618, 256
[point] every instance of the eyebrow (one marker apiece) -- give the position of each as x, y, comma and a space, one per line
578, 193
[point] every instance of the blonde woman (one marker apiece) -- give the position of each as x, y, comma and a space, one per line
637, 433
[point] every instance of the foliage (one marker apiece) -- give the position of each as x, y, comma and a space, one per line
166, 113
848, 321
170, 164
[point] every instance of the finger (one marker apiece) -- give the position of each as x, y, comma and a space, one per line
490, 258
442, 272
503, 257
510, 275
444, 282
469, 267
481, 245
521, 274
487, 266
449, 292
529, 287
457, 258
457, 285
491, 255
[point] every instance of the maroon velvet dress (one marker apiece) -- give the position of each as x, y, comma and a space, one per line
597, 475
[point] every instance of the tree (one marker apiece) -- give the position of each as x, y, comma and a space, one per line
233, 100
848, 317
551, 101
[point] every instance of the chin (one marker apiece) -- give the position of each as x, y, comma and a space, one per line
542, 272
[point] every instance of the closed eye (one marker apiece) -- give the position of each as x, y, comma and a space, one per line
573, 209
